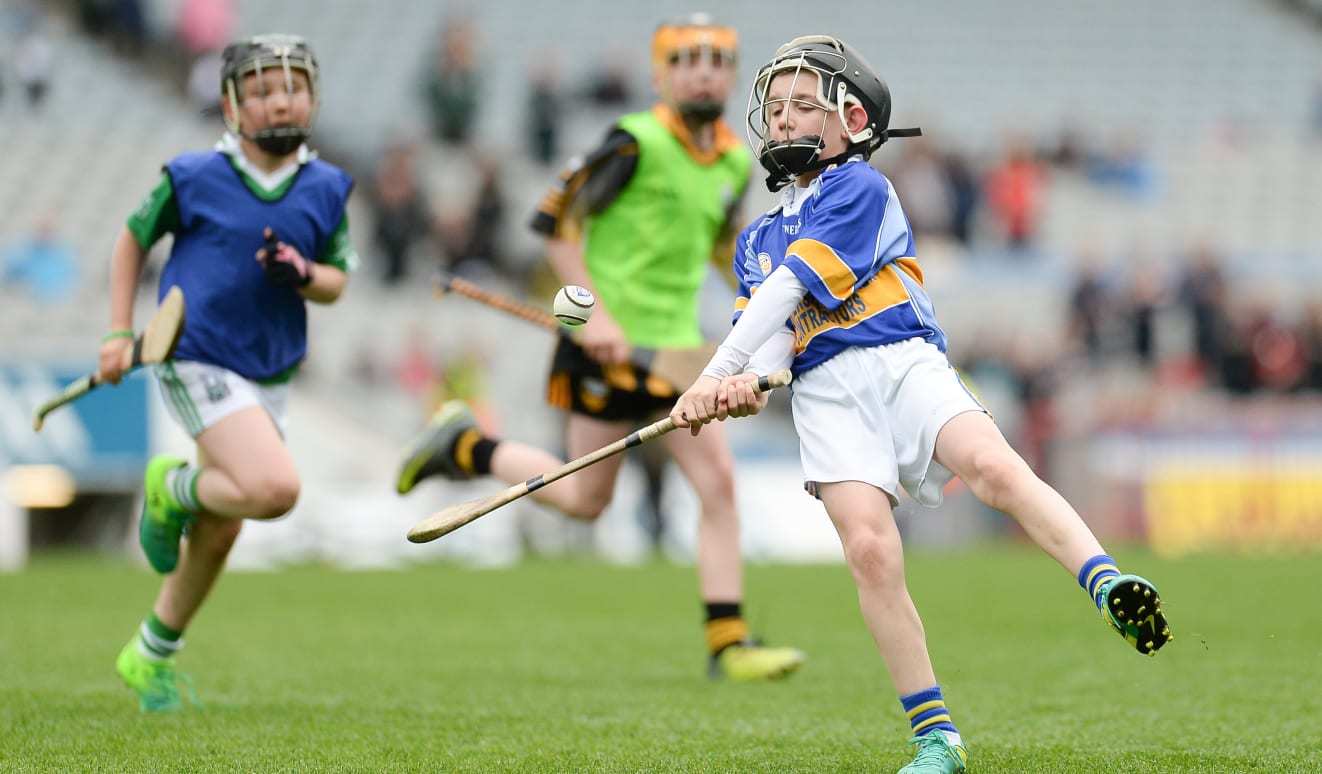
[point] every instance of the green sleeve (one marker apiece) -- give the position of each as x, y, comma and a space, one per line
156, 216
339, 251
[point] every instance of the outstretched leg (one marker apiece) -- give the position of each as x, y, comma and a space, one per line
972, 447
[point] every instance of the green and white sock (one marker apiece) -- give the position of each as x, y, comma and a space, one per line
182, 483
158, 641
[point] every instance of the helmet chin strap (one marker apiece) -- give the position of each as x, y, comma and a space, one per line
702, 111
280, 140
787, 160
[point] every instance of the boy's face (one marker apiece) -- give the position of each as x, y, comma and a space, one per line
271, 101
794, 110
697, 76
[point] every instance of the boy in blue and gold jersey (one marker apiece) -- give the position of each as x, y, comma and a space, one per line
259, 229
830, 287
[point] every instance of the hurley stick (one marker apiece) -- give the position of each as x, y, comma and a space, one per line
449, 519
155, 344
679, 367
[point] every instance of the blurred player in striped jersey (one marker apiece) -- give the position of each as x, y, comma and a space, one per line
830, 287
259, 230
638, 222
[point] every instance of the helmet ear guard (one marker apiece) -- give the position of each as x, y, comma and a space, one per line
844, 79
253, 55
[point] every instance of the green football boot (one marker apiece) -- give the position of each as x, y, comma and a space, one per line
936, 755
432, 452
163, 519
1131, 606
153, 680
747, 662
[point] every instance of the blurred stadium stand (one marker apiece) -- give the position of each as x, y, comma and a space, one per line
1222, 95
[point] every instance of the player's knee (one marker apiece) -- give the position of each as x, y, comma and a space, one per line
713, 482
997, 474
588, 505
874, 560
719, 483
273, 497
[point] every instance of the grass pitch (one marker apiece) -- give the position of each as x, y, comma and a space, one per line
575, 666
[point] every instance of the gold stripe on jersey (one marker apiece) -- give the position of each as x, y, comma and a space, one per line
910, 266
883, 292
740, 302
829, 267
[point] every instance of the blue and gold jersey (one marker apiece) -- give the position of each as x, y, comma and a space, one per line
847, 239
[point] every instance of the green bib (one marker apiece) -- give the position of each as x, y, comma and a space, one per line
648, 252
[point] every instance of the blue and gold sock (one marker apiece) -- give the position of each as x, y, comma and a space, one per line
927, 713
1097, 571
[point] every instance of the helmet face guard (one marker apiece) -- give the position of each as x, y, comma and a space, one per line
843, 80
253, 56
693, 36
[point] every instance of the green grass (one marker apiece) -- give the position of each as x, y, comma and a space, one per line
575, 666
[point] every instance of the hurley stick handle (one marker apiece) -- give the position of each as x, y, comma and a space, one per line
449, 519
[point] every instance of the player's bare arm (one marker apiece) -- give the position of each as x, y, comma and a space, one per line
125, 269
601, 337
588, 186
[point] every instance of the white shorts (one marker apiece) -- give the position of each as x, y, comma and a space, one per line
198, 395
873, 414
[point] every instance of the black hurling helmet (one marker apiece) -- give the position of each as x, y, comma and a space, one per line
844, 78
253, 55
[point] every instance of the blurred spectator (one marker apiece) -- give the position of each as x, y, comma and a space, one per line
402, 211
1312, 334
205, 26
34, 60
1089, 308
42, 264
204, 83
1277, 355
451, 82
965, 195
127, 26
1123, 166
96, 16
1233, 367
1070, 152
416, 370
203, 29
1146, 297
470, 240
1015, 190
610, 86
488, 213
928, 201
1203, 292
544, 106
1317, 109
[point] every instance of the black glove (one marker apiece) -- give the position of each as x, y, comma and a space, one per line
283, 264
